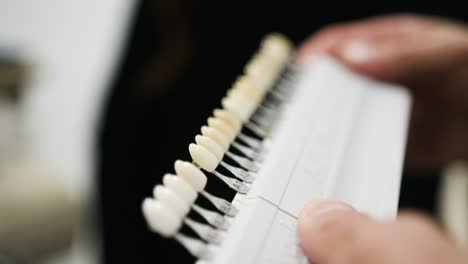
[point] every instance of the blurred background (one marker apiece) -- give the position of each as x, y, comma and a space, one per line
98, 98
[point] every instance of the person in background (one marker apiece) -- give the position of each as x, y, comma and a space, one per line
429, 55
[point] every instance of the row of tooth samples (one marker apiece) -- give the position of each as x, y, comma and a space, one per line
236, 131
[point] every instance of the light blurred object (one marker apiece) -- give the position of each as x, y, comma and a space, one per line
74, 47
12, 77
453, 200
36, 215
13, 73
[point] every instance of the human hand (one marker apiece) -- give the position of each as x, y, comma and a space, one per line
428, 55
333, 232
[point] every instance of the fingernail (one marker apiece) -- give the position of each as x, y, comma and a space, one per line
321, 208
358, 51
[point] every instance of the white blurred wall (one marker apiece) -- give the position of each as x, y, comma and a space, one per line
74, 47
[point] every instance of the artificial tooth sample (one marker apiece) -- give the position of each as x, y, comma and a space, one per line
183, 190
229, 117
171, 198
217, 136
243, 96
223, 127
259, 72
180, 186
245, 84
237, 172
160, 218
191, 174
203, 157
211, 145
277, 47
237, 107
197, 179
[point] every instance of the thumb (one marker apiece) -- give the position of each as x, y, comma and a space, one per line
328, 229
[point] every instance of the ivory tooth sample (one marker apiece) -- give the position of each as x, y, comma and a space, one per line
259, 72
277, 47
237, 172
237, 107
171, 198
180, 186
229, 117
217, 136
191, 174
223, 127
236, 123
162, 220
186, 192
211, 145
238, 95
247, 86
198, 179
207, 161
203, 157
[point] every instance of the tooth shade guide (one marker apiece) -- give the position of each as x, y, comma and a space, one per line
181, 190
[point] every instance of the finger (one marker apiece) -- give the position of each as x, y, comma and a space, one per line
328, 231
421, 240
334, 35
332, 232
406, 54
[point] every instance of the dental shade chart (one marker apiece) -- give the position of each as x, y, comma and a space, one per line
284, 135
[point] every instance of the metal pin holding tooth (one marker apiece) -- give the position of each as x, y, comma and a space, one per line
236, 171
218, 151
178, 205
164, 221
237, 124
229, 134
197, 179
187, 193
218, 143
208, 161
